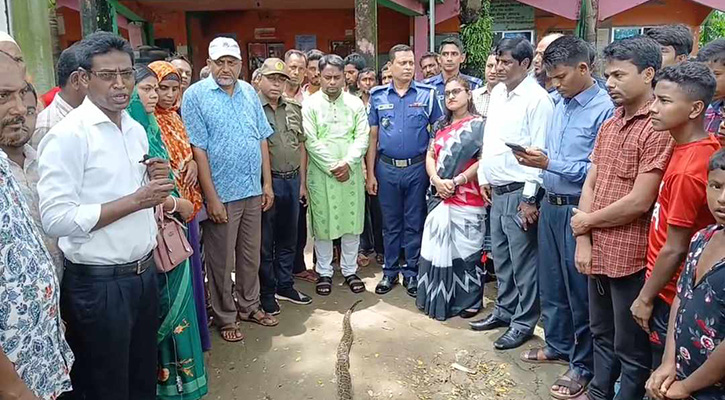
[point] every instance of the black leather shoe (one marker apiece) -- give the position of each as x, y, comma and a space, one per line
488, 323
511, 339
386, 284
411, 284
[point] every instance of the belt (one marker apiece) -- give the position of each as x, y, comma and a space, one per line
511, 187
133, 268
562, 200
286, 175
402, 163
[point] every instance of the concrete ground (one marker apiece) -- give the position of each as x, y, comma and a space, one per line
398, 353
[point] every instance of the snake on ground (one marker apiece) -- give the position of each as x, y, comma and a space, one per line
342, 366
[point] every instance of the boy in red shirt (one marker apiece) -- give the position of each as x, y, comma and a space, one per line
682, 95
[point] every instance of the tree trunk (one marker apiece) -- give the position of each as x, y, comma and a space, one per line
54, 39
96, 15
366, 31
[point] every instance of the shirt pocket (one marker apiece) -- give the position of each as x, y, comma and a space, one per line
626, 165
417, 118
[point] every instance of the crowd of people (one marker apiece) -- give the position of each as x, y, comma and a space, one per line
138, 209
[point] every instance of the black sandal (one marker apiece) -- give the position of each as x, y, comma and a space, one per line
324, 286
355, 283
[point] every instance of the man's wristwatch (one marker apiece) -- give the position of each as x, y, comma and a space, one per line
529, 200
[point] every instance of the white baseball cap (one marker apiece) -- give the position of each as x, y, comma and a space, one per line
224, 46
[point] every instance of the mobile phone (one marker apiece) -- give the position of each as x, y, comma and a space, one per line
519, 220
516, 147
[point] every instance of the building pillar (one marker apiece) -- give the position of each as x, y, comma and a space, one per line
366, 31
420, 42
30, 28
97, 15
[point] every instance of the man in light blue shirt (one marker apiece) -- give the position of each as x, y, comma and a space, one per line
565, 162
228, 131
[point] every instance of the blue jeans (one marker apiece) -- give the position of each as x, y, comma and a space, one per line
279, 237
563, 292
402, 200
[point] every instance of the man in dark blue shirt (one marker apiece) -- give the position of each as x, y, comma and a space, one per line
452, 55
400, 115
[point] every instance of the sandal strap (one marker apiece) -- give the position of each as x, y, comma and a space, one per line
572, 381
352, 279
324, 280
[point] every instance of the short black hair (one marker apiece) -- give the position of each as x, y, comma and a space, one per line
295, 52
100, 43
314, 55
717, 161
454, 40
678, 36
568, 50
67, 65
694, 78
520, 48
356, 60
30, 88
368, 70
332, 60
713, 52
398, 48
641, 51
429, 54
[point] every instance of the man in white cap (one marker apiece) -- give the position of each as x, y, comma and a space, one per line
9, 46
228, 131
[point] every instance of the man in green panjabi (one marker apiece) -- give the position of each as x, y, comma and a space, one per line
336, 129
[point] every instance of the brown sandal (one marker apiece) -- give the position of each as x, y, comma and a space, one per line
363, 260
571, 381
237, 335
260, 317
532, 356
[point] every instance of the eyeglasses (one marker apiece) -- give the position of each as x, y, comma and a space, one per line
110, 76
454, 92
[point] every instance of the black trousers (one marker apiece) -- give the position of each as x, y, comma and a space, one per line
658, 326
621, 347
371, 239
299, 264
111, 328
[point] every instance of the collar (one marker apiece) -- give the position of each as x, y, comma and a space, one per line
587, 95
94, 116
338, 99
413, 86
265, 101
642, 111
30, 154
717, 105
61, 104
215, 86
523, 87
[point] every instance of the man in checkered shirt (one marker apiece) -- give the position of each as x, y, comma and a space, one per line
612, 222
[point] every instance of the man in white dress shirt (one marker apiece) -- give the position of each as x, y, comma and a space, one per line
97, 193
520, 114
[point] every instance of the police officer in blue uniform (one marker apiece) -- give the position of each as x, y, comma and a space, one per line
452, 55
400, 116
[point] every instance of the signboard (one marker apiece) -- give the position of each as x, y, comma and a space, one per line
510, 15
305, 42
265, 33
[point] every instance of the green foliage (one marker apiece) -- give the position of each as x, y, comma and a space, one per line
713, 27
477, 37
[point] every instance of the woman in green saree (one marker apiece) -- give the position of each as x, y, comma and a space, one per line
181, 372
